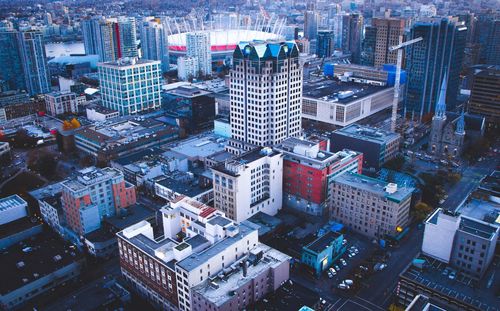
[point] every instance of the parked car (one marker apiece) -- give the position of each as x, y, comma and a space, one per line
337, 267
363, 268
343, 262
330, 275
452, 275
332, 271
343, 286
348, 282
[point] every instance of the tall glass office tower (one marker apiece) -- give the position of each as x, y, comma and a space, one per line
440, 52
154, 42
34, 62
11, 70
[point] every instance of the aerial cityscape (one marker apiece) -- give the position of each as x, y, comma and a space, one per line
271, 155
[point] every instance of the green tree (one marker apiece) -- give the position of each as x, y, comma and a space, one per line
421, 210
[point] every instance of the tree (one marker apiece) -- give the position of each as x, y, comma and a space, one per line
43, 162
421, 211
395, 164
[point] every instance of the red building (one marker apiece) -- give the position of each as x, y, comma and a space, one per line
306, 170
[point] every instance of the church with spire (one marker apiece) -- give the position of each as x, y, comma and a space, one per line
448, 130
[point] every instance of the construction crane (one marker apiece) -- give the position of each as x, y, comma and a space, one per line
399, 48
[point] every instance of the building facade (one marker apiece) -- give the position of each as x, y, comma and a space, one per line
447, 137
198, 47
352, 35
12, 70
266, 93
485, 95
321, 253
93, 195
57, 103
376, 145
388, 32
187, 68
139, 87
34, 61
154, 43
440, 53
194, 273
306, 170
249, 184
371, 207
110, 38
326, 43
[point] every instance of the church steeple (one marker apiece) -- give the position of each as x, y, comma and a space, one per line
460, 129
441, 104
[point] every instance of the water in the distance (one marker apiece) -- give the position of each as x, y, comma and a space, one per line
64, 48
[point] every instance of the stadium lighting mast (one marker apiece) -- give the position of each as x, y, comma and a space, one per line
397, 83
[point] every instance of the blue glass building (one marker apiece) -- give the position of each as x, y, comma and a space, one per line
441, 51
11, 70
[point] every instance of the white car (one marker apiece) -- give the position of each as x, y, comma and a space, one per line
343, 262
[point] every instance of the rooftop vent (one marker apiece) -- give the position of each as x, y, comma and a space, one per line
391, 188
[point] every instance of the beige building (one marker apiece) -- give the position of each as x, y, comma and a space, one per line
369, 206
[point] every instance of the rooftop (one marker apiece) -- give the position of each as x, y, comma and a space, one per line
134, 214
321, 243
219, 289
47, 191
183, 183
16, 226
335, 91
480, 295
100, 109
123, 63
376, 186
30, 260
367, 133
11, 202
188, 91
196, 259
232, 167
202, 145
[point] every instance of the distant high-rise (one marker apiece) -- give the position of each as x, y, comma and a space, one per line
266, 93
140, 90
485, 95
11, 70
154, 43
484, 30
368, 46
198, 46
325, 45
440, 52
34, 62
111, 38
493, 44
352, 34
311, 25
388, 31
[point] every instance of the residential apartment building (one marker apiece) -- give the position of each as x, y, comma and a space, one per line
306, 169
377, 146
57, 103
110, 38
198, 47
187, 68
93, 195
249, 183
217, 265
34, 60
266, 93
154, 42
369, 206
139, 87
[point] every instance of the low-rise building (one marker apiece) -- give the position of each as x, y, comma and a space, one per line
41, 265
178, 183
378, 146
93, 195
249, 183
192, 107
100, 113
12, 208
306, 170
321, 253
369, 206
201, 261
57, 103
343, 103
122, 136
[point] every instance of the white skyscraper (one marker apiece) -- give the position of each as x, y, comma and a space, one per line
266, 93
154, 42
198, 46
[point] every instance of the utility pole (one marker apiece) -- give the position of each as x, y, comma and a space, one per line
397, 83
